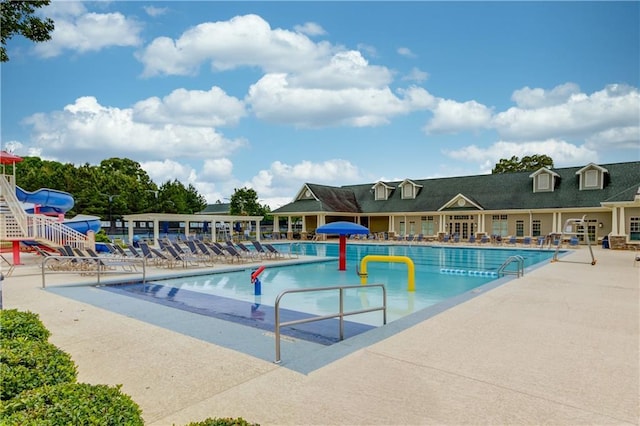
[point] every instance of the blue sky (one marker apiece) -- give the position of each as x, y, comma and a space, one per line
270, 95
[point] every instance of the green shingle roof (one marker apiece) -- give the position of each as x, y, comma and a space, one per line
491, 192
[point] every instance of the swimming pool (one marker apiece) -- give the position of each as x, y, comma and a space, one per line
440, 273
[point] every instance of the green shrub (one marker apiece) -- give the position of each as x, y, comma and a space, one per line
102, 237
22, 325
223, 422
72, 404
27, 364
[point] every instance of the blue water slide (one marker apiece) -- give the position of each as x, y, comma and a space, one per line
59, 202
56, 201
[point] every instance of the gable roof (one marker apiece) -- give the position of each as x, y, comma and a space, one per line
506, 191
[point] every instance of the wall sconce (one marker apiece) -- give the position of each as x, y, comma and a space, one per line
599, 224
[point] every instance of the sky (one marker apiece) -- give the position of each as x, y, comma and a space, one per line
270, 95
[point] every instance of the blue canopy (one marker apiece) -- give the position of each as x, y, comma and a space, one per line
342, 228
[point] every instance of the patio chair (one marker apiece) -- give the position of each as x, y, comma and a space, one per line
264, 254
113, 261
472, 239
235, 255
221, 254
207, 252
484, 239
57, 264
247, 251
186, 259
526, 241
512, 241
274, 251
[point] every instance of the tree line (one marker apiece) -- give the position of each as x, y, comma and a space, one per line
115, 187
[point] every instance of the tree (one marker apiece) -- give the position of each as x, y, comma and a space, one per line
529, 163
18, 18
244, 202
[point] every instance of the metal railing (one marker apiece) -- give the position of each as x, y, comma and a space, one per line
519, 272
92, 266
340, 314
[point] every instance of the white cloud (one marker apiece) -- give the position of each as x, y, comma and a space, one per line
580, 115
310, 28
242, 41
416, 75
217, 168
562, 153
614, 138
191, 107
347, 69
273, 99
405, 51
86, 131
451, 117
79, 31
155, 11
168, 170
527, 98
276, 184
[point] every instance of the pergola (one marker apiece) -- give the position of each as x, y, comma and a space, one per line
212, 220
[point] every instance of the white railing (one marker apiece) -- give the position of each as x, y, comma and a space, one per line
17, 224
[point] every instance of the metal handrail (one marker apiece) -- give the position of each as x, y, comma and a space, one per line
92, 260
519, 272
340, 314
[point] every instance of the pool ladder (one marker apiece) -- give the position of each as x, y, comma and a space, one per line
518, 260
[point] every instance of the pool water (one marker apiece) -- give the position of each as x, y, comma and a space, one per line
440, 273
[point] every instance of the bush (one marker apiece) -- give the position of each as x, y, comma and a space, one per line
102, 237
22, 325
28, 364
72, 404
223, 422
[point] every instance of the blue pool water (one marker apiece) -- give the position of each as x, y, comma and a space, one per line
440, 273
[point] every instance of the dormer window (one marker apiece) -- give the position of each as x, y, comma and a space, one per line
544, 180
409, 189
382, 191
591, 177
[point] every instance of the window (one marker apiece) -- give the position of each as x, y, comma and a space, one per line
402, 228
381, 192
634, 228
591, 179
412, 227
407, 191
536, 227
426, 225
519, 228
499, 225
543, 181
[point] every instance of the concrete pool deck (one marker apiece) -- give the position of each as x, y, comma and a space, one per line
557, 346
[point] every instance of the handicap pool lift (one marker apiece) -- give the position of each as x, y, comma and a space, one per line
575, 228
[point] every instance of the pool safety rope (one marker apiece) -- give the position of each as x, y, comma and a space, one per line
470, 273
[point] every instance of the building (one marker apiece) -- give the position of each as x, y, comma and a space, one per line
522, 204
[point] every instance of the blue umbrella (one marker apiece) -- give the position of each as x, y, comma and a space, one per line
342, 229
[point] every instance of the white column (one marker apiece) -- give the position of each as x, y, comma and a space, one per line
614, 221
276, 224
289, 224
156, 231
622, 223
130, 222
